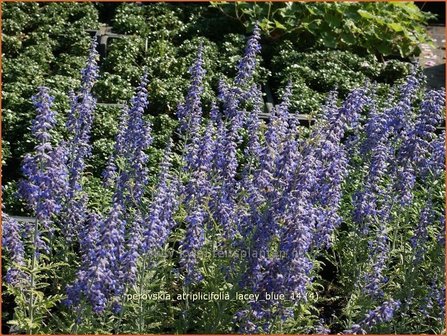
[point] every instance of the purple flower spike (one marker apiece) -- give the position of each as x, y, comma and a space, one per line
197, 191
79, 124
13, 245
194, 240
374, 279
414, 155
419, 240
380, 314
111, 172
115, 243
247, 64
137, 140
190, 112
160, 221
45, 172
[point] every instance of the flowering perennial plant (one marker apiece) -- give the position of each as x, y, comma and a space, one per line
13, 245
79, 124
45, 171
260, 209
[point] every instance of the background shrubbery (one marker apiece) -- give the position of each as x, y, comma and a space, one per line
375, 28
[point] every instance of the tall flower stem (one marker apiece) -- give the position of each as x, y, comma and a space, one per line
121, 314
141, 317
32, 278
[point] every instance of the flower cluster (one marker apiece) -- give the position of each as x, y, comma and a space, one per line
13, 245
164, 204
383, 313
45, 171
290, 198
114, 241
79, 124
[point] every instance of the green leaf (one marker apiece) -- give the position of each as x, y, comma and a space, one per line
365, 14
334, 21
397, 27
329, 40
279, 25
348, 38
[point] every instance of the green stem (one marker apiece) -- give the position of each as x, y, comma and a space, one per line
120, 320
78, 316
32, 284
270, 8
141, 317
185, 315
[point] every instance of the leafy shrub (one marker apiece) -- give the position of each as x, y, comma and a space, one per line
394, 28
